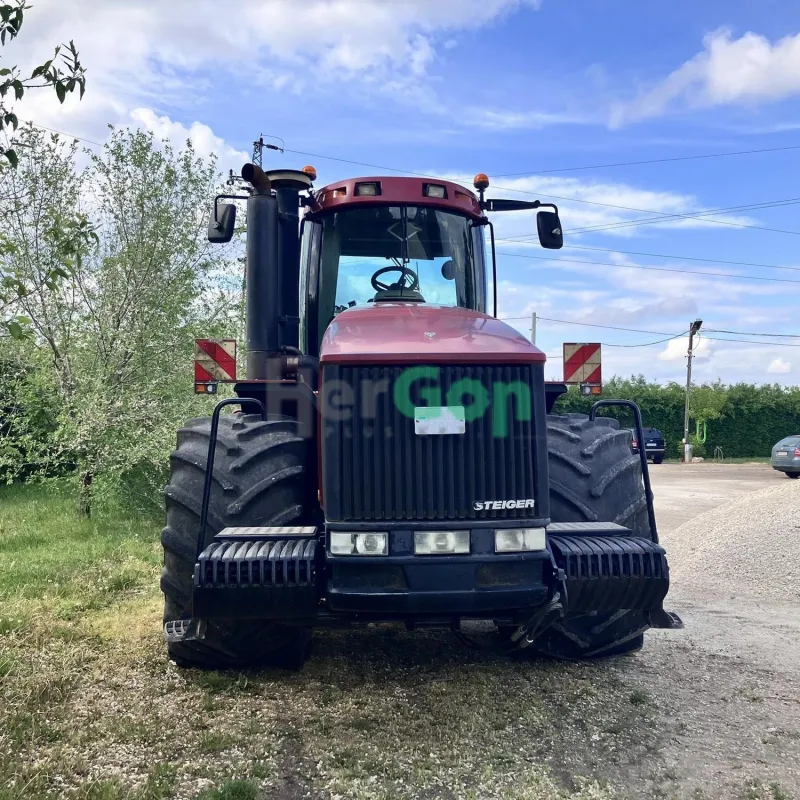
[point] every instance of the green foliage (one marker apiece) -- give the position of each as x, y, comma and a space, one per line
63, 73
70, 564
111, 345
743, 419
707, 402
41, 196
236, 789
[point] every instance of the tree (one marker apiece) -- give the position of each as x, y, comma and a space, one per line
118, 333
42, 198
706, 403
63, 73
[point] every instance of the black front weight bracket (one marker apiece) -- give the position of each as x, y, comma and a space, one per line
659, 618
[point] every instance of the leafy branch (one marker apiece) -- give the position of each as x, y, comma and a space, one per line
64, 73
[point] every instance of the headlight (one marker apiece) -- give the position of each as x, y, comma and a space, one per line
368, 189
434, 190
359, 544
444, 543
519, 540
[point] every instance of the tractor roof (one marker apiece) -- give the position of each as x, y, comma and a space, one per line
397, 191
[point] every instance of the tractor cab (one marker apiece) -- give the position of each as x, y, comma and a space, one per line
389, 240
394, 457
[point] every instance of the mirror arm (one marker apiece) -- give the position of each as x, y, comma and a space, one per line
225, 197
494, 269
515, 205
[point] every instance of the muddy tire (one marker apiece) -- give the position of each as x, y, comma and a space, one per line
258, 480
594, 478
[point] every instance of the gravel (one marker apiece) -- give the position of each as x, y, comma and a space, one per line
748, 548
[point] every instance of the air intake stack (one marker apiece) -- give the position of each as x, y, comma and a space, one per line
273, 265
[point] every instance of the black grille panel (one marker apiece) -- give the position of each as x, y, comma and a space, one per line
375, 467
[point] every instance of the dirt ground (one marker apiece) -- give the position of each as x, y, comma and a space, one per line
91, 708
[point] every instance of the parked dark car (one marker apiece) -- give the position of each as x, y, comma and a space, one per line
654, 444
786, 456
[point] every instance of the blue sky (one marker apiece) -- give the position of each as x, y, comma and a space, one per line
510, 88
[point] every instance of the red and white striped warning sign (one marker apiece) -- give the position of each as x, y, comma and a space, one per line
214, 360
582, 363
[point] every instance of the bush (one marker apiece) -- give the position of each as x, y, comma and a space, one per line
752, 418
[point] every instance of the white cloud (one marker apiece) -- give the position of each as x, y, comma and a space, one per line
590, 204
677, 349
747, 70
151, 53
176, 57
205, 141
779, 367
507, 120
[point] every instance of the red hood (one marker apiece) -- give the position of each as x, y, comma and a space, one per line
401, 333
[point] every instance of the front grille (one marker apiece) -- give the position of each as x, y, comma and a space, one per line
375, 467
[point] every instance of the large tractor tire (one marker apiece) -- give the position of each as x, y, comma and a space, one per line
258, 481
594, 478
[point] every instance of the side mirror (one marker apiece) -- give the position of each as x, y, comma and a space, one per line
548, 226
220, 230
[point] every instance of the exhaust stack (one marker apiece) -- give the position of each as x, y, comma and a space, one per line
273, 266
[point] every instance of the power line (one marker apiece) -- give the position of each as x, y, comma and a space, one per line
650, 161
615, 344
648, 344
592, 325
651, 268
704, 216
670, 337
661, 214
751, 341
673, 256
748, 333
61, 133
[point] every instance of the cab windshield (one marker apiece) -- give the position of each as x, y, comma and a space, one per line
390, 253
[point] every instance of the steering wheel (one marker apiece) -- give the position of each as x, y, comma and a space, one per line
405, 273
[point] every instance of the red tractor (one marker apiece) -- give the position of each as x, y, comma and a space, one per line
394, 456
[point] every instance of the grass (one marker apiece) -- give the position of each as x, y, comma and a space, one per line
54, 560
91, 709
233, 790
757, 790
89, 703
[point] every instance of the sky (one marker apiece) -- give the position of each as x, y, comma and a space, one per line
551, 98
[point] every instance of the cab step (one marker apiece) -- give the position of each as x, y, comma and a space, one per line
184, 630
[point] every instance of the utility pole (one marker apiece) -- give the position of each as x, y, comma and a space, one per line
258, 151
533, 328
693, 329
258, 148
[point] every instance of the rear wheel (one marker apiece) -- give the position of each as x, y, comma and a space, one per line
658, 459
793, 474
594, 477
258, 480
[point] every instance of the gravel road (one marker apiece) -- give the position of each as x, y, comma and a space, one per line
729, 684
